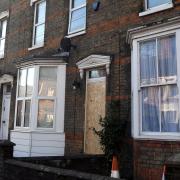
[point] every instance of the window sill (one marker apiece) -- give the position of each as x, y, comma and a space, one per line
156, 9
76, 34
36, 47
1, 56
166, 137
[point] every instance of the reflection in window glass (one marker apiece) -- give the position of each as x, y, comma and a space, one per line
30, 82
27, 113
78, 19
45, 114
158, 67
77, 16
47, 81
39, 34
148, 62
154, 3
150, 109
77, 3
22, 83
3, 25
40, 12
169, 108
19, 113
97, 73
39, 24
167, 59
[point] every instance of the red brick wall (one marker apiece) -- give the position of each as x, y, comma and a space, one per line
105, 34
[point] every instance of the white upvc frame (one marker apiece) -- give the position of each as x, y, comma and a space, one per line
23, 99
135, 76
34, 46
161, 7
54, 98
79, 31
3, 18
59, 101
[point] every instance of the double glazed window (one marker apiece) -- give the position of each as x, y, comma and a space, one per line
77, 16
37, 97
3, 25
46, 96
24, 97
159, 93
155, 3
39, 23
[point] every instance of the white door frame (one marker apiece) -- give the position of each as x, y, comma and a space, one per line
4, 130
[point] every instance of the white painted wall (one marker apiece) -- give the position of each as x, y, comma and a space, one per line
29, 144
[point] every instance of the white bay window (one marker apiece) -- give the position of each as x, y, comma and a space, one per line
37, 97
155, 82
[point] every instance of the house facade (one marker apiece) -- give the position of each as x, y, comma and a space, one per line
62, 63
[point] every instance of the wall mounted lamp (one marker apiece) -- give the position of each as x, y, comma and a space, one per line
76, 85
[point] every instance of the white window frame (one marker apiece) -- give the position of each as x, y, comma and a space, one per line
3, 17
135, 76
79, 31
23, 99
155, 9
45, 98
34, 46
59, 104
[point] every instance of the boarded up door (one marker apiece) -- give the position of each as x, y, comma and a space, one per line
95, 108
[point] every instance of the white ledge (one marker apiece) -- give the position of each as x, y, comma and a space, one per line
4, 14
36, 47
76, 34
156, 9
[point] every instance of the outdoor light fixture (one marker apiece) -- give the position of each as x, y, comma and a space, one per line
76, 85
95, 5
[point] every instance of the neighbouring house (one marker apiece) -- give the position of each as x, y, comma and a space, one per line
63, 61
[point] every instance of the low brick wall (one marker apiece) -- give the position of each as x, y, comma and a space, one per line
20, 170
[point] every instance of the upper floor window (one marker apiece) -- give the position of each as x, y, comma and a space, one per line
155, 3
153, 6
3, 25
39, 23
77, 16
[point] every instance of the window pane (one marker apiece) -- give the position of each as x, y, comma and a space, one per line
39, 34
27, 113
97, 73
169, 108
41, 12
77, 3
30, 82
153, 3
150, 109
22, 83
19, 113
148, 70
2, 46
167, 59
46, 114
47, 81
4, 25
78, 19
0, 29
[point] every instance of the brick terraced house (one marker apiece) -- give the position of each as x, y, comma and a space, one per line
52, 95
